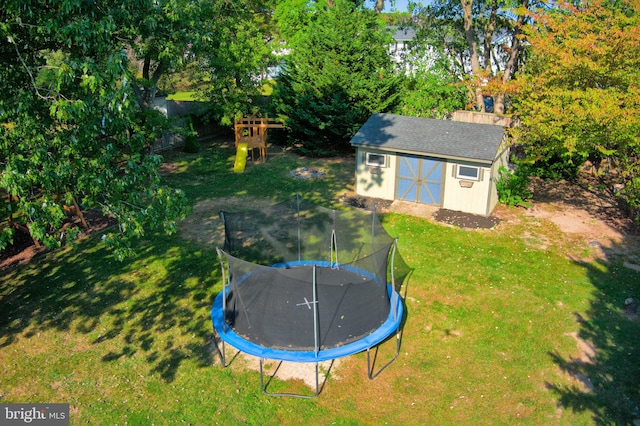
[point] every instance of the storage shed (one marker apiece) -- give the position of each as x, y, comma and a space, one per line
450, 164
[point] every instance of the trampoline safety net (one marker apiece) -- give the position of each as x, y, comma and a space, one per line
302, 277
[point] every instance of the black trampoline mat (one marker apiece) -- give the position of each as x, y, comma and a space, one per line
276, 307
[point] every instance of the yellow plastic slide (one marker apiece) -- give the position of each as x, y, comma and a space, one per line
241, 158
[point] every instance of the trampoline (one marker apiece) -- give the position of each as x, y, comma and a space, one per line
306, 284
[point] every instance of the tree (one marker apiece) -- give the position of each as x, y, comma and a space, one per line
427, 93
222, 45
161, 36
71, 130
339, 71
579, 95
233, 62
481, 39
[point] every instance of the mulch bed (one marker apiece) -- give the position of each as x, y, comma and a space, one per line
367, 203
465, 220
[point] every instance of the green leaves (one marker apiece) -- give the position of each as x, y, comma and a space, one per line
71, 129
338, 73
431, 95
579, 95
513, 187
234, 49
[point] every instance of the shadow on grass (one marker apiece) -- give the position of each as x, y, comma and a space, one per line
155, 306
209, 174
607, 369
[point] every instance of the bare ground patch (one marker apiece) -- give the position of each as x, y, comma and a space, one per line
204, 226
590, 224
586, 353
302, 371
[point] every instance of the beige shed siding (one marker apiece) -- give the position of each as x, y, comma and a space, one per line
375, 182
466, 195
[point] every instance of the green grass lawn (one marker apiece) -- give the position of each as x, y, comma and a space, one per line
493, 330
265, 90
183, 96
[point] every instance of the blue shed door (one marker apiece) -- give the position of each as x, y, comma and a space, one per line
420, 179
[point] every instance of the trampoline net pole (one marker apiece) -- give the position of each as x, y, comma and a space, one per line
227, 237
224, 288
394, 294
333, 251
373, 229
299, 237
315, 313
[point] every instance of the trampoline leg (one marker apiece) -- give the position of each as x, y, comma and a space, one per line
223, 357
370, 367
221, 352
294, 395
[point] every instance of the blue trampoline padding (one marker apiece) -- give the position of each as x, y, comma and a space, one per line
385, 330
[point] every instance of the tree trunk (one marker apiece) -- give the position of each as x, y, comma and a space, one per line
473, 50
479, 99
79, 213
470, 35
488, 37
150, 89
514, 55
498, 103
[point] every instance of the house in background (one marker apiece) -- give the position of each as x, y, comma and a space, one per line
450, 164
402, 39
403, 53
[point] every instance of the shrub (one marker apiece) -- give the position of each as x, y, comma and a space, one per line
191, 143
513, 186
338, 73
558, 167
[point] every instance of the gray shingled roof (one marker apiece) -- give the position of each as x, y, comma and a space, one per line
403, 34
427, 136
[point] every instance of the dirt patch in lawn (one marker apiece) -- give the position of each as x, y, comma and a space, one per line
204, 225
588, 223
465, 220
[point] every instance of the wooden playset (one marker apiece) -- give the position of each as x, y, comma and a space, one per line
251, 133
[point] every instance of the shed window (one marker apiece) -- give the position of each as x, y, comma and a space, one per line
377, 160
468, 172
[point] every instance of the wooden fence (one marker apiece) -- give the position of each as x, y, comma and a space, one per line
483, 118
175, 111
